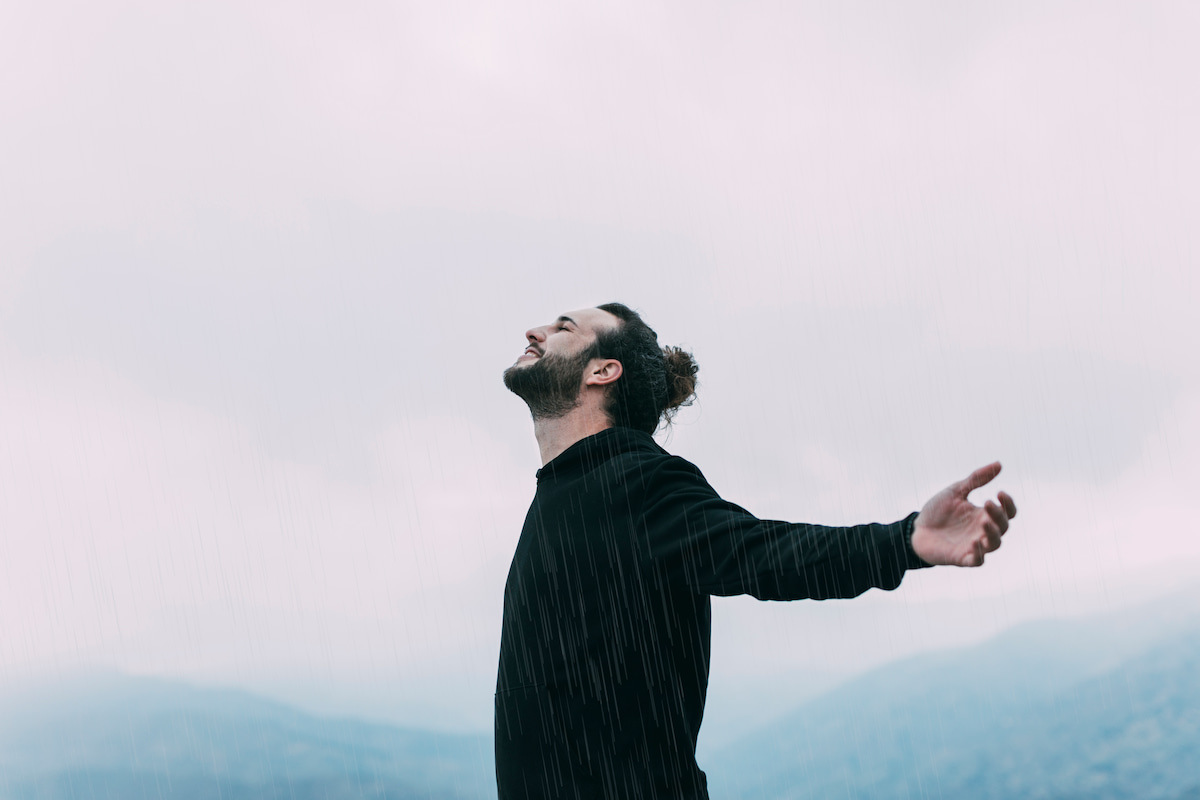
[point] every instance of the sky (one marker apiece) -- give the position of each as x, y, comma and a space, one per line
262, 265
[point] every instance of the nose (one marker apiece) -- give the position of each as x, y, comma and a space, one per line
536, 335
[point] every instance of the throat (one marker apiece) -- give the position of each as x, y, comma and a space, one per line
554, 435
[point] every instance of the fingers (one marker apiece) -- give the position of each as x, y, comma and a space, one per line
976, 557
991, 537
989, 542
998, 516
1010, 508
979, 477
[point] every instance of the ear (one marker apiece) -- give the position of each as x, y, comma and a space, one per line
602, 372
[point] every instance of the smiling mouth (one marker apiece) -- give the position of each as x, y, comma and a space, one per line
529, 351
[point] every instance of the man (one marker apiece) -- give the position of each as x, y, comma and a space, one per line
605, 645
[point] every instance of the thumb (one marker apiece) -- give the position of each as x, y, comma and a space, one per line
979, 477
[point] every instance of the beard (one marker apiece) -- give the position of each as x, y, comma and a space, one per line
550, 385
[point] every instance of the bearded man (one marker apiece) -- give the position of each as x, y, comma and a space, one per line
604, 650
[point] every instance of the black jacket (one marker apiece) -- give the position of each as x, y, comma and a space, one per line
604, 652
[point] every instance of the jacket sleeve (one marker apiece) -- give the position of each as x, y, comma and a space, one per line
715, 547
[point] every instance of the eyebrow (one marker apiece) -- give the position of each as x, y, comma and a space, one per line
567, 319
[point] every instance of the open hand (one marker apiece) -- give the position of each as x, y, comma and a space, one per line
949, 530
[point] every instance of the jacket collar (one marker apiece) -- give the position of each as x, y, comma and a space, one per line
591, 451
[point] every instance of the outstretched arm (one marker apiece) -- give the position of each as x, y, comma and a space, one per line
716, 547
950, 530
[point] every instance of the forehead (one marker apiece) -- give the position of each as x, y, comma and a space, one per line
591, 319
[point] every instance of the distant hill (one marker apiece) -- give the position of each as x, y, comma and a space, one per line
118, 737
1097, 709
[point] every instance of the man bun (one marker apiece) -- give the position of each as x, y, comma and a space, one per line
655, 382
681, 379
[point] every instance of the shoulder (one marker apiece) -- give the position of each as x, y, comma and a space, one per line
643, 464
664, 474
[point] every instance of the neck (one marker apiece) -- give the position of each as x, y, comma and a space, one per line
557, 434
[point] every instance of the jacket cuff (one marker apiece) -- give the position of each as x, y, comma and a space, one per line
911, 559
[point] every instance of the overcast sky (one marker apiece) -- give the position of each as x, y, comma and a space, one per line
261, 266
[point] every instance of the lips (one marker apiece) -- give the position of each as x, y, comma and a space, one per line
532, 351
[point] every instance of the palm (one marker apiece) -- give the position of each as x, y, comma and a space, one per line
951, 530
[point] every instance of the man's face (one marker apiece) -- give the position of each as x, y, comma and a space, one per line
549, 375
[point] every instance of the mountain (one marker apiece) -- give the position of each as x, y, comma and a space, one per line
114, 736
1107, 708
1103, 709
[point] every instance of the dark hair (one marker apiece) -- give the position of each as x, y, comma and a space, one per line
655, 381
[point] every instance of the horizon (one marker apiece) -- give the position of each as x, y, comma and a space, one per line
1130, 630
1075, 703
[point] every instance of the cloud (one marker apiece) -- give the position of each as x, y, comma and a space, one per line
157, 537
263, 265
